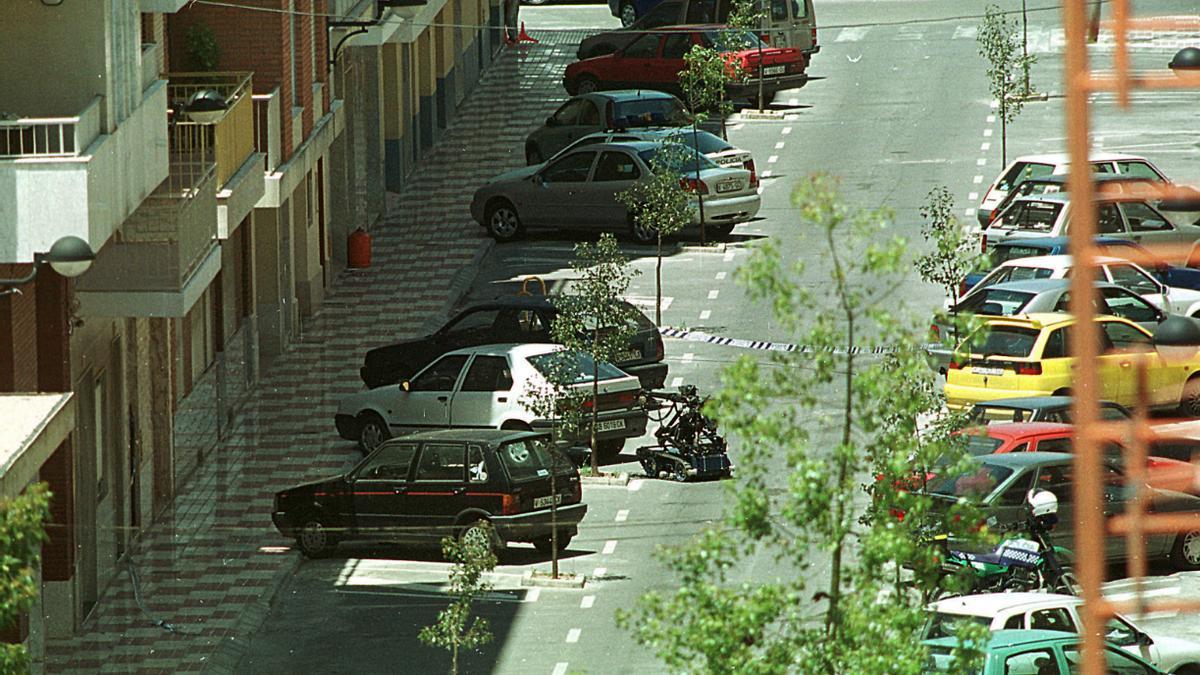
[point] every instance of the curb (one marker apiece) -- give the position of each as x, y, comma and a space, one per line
460, 284
619, 479
236, 642
770, 115
719, 247
544, 580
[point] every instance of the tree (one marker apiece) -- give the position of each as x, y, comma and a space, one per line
849, 496
591, 319
660, 205
997, 40
454, 629
22, 532
955, 252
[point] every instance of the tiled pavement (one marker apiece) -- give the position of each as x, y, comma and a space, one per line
209, 567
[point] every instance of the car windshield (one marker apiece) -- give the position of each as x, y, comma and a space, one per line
653, 112
680, 162
1011, 341
975, 484
1030, 215
941, 624
996, 302
575, 367
978, 444
531, 458
732, 40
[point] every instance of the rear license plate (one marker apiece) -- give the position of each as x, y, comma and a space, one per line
774, 70
540, 502
631, 355
981, 370
729, 186
610, 425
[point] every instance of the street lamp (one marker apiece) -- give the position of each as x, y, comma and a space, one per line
70, 256
1185, 59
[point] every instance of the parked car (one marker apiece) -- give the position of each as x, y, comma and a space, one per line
1123, 273
1012, 249
603, 111
1026, 167
431, 485
708, 144
785, 23
998, 484
510, 319
1034, 296
578, 190
655, 59
1183, 211
1037, 409
1029, 356
487, 387
1049, 215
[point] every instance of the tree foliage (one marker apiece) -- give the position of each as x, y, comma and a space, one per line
955, 252
454, 629
849, 433
22, 531
999, 45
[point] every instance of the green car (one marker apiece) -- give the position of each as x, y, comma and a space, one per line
1034, 652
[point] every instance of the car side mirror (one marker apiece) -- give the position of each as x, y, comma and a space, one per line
405, 385
551, 122
539, 179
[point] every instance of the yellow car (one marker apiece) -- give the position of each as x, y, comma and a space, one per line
1027, 356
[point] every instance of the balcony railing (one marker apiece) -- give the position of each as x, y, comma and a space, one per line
232, 134
50, 136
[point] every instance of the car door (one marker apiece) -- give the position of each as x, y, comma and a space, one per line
670, 63
1148, 226
1121, 346
564, 126
485, 394
425, 404
638, 62
554, 199
616, 171
380, 491
437, 491
1129, 344
1060, 479
1008, 507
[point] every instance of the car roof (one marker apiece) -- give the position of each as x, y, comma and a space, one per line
1028, 402
522, 350
1059, 242
622, 95
489, 437
1030, 285
654, 132
990, 604
1012, 638
1063, 178
1064, 158
1013, 430
1055, 261
1022, 459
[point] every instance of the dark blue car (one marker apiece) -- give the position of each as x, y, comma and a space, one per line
1011, 249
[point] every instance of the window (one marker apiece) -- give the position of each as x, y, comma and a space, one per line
645, 47
530, 324
1142, 218
995, 302
480, 321
1057, 618
1015, 622
1129, 306
1057, 344
614, 166
1003, 253
978, 444
441, 462
1011, 341
667, 111
942, 625
972, 484
531, 458
1014, 495
1108, 220
682, 162
676, 45
701, 11
1057, 479
573, 168
390, 462
1116, 662
1120, 633
568, 114
477, 471
488, 373
1128, 276
1054, 445
1103, 167
779, 10
666, 14
589, 115
441, 376
1126, 338
1135, 169
1023, 171
1037, 662
577, 364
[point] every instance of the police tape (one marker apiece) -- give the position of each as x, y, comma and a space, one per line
761, 345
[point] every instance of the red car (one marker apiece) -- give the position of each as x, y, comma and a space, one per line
654, 61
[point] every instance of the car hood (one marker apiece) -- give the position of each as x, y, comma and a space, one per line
1172, 651
516, 174
311, 488
356, 402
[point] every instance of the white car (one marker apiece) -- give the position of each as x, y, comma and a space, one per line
1050, 611
488, 387
1123, 273
709, 144
1040, 166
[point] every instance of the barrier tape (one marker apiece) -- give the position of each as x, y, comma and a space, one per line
761, 345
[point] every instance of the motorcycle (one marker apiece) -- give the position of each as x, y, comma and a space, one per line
689, 445
1017, 564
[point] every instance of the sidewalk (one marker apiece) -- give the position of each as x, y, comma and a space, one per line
208, 569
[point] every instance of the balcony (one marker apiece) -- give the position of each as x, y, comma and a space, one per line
228, 139
69, 175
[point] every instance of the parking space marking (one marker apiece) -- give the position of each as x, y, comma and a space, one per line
772, 159
969, 212
533, 594
573, 635
676, 381
609, 546
720, 276
973, 196
991, 119
767, 173
687, 358
995, 104
987, 133
728, 256
981, 161
636, 484
560, 668
622, 515
977, 180
779, 145
705, 315
587, 602
599, 572
985, 146
785, 131
712, 295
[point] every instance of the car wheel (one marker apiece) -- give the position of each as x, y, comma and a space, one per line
641, 233
480, 532
628, 14
544, 544
721, 230
1185, 555
1189, 402
314, 539
503, 223
533, 155
609, 449
372, 431
1188, 669
586, 84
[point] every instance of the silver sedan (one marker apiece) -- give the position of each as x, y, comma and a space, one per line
578, 190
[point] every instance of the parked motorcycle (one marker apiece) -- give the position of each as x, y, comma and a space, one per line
1017, 564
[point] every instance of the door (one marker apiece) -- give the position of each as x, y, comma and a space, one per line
1058, 479
1127, 344
1148, 226
1008, 508
667, 68
380, 487
615, 172
426, 403
638, 63
566, 125
554, 200
485, 394
437, 491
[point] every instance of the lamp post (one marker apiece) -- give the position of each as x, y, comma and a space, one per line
1185, 59
70, 256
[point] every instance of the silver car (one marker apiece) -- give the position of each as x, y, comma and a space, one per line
709, 144
578, 190
1034, 296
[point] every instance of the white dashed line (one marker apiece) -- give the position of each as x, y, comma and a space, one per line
675, 382
985, 146
767, 173
991, 119
785, 131
587, 602
712, 295
720, 276
573, 635
793, 101
973, 196
995, 103
533, 594
977, 180
687, 358
622, 515
635, 485
969, 212
981, 161
599, 572
779, 145
728, 256
705, 315
560, 668
772, 159
609, 546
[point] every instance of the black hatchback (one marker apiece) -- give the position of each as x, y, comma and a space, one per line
423, 487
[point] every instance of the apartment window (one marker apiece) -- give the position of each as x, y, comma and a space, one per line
98, 407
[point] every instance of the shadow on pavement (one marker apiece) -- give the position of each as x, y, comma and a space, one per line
513, 554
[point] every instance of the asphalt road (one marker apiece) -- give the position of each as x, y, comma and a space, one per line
903, 108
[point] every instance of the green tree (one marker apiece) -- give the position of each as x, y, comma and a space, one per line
997, 39
660, 206
955, 252
455, 630
22, 531
849, 497
592, 320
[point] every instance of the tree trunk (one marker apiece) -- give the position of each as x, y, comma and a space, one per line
1025, 44
595, 399
553, 514
699, 197
658, 284
1094, 25
1003, 134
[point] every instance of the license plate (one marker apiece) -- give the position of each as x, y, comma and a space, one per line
774, 70
540, 502
631, 355
729, 186
610, 425
980, 370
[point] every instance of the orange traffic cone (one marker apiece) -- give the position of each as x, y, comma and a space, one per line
523, 36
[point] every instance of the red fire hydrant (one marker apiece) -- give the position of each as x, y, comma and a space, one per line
358, 249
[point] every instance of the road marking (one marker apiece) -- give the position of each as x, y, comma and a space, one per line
985, 146
1120, 597
785, 131
728, 256
772, 159
560, 668
599, 572
963, 32
969, 212
852, 34
712, 295
973, 196
636, 484
995, 104
704, 316
987, 133
735, 127
793, 101
609, 546
720, 276
977, 180
687, 358
573, 635
675, 382
981, 161
991, 119
767, 173
779, 145
622, 515
533, 595
587, 602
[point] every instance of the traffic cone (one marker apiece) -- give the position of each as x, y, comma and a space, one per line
524, 37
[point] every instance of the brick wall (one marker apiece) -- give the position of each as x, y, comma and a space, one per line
18, 333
